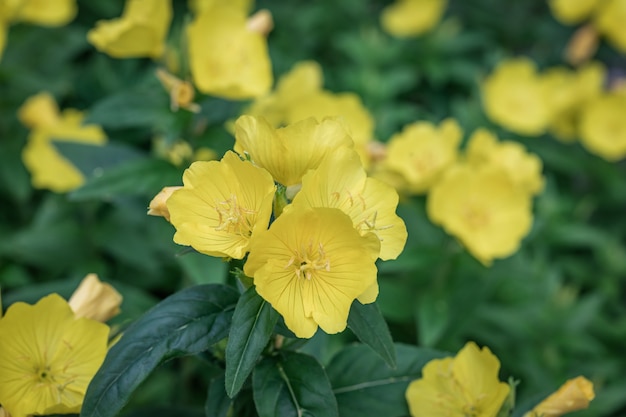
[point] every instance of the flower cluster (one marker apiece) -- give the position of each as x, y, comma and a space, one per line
50, 351
468, 385
483, 198
566, 103
297, 202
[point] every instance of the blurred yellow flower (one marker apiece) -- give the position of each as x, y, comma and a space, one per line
574, 395
140, 32
158, 205
227, 59
45, 12
406, 18
311, 265
199, 6
571, 12
609, 21
466, 385
422, 152
48, 357
515, 97
289, 152
582, 45
221, 206
483, 208
95, 300
524, 168
341, 182
569, 91
49, 169
603, 126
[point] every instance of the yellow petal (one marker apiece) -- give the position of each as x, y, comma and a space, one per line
46, 12
40, 110
158, 205
95, 300
406, 18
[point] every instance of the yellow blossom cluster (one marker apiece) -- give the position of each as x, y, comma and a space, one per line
483, 198
227, 50
569, 104
50, 351
468, 385
297, 202
606, 17
42, 13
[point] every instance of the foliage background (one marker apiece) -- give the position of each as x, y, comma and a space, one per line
552, 311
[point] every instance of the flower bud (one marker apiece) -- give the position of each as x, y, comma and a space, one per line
574, 395
95, 300
158, 206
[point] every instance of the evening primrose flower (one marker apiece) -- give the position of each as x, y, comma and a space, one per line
515, 97
289, 152
466, 385
139, 32
48, 357
221, 206
574, 395
609, 21
49, 169
341, 182
483, 208
406, 18
311, 265
228, 59
524, 168
422, 152
603, 126
571, 12
95, 300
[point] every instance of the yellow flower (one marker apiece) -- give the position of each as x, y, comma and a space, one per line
289, 152
609, 21
422, 152
49, 169
341, 182
524, 168
466, 385
571, 12
483, 208
311, 265
158, 205
226, 58
603, 126
95, 300
199, 6
140, 32
568, 92
582, 45
515, 97
406, 18
45, 12
574, 395
221, 206
48, 357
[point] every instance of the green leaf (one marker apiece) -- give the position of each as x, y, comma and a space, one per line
253, 323
139, 108
217, 403
367, 323
90, 159
292, 385
185, 323
366, 387
144, 178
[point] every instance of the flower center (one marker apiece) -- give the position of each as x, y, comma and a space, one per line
476, 217
308, 260
234, 218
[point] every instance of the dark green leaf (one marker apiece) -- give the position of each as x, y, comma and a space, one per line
90, 159
185, 323
139, 108
165, 411
253, 323
294, 385
368, 324
144, 178
217, 403
366, 387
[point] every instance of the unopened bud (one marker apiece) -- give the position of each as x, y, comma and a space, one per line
582, 45
261, 22
574, 395
95, 299
158, 205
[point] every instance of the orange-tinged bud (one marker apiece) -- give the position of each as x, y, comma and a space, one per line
95, 300
158, 206
582, 45
574, 395
181, 92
